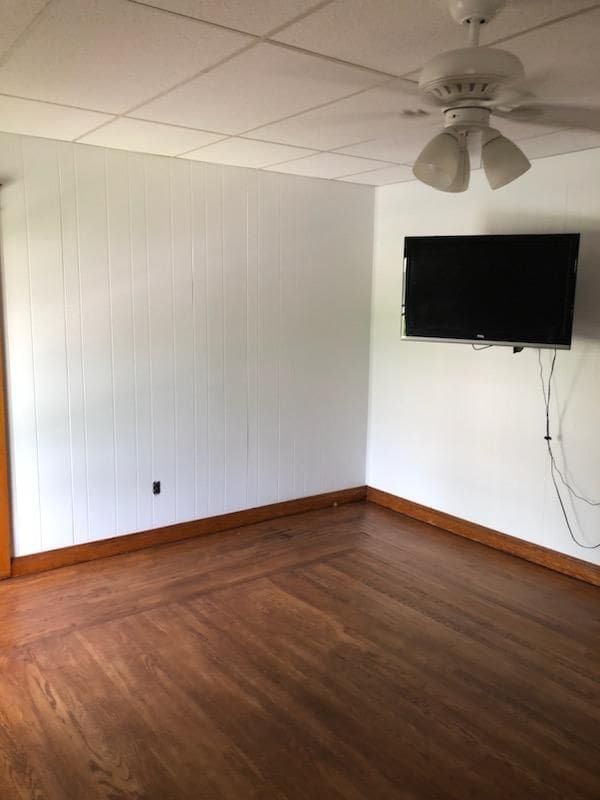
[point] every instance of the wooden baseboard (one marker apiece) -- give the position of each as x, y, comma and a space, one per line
567, 565
65, 556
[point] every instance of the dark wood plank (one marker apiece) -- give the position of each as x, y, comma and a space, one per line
41, 605
343, 654
552, 559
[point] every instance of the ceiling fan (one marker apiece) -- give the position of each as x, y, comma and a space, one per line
471, 84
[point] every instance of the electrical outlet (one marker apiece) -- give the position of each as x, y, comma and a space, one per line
156, 487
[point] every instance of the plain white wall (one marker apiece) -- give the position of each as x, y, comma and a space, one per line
462, 431
200, 325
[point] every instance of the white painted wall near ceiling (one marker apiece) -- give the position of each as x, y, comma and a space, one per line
462, 431
168, 320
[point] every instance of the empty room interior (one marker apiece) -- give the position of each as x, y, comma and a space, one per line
300, 400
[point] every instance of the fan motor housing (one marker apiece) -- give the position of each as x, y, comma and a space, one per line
469, 74
467, 118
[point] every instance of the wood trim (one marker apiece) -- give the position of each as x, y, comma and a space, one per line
5, 504
559, 562
65, 556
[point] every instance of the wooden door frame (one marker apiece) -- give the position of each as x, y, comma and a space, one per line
5, 504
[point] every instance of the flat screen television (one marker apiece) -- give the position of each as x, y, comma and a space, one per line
505, 290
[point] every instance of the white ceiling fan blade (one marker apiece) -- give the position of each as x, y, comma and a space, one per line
407, 86
411, 88
524, 91
555, 115
521, 92
510, 98
418, 114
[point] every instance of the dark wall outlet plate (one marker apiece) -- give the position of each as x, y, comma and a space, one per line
156, 487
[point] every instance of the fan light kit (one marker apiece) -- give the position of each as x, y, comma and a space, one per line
470, 84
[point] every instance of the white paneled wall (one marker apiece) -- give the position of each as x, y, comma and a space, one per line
168, 320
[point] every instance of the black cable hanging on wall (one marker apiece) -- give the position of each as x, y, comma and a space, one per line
554, 468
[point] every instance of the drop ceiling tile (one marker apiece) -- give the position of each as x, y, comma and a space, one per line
382, 177
149, 137
328, 165
257, 17
399, 36
520, 15
45, 119
559, 142
563, 60
247, 153
110, 55
265, 83
16, 16
400, 149
373, 114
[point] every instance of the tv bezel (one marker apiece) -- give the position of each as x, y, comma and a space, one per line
483, 341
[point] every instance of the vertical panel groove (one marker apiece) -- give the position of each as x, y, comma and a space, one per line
280, 337
295, 288
82, 345
207, 343
33, 367
259, 202
112, 343
66, 338
194, 332
149, 322
224, 328
247, 300
173, 347
134, 347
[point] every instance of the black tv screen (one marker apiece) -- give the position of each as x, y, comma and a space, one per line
513, 290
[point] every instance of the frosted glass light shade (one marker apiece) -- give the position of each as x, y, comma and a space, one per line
439, 161
463, 175
502, 160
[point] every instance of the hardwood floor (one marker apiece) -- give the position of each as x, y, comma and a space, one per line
348, 653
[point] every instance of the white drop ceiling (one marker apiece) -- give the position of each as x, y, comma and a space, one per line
296, 86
